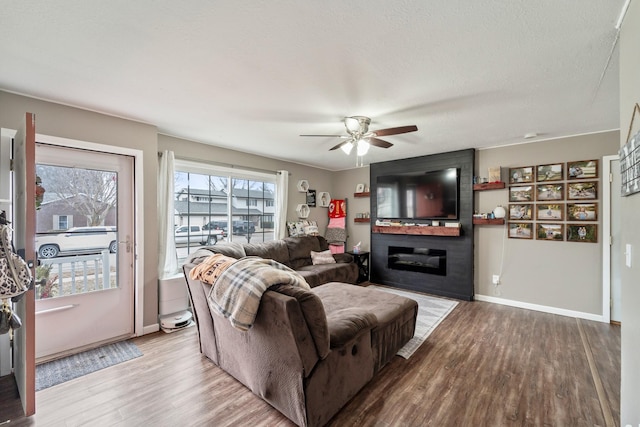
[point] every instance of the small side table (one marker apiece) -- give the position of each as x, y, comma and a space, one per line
362, 260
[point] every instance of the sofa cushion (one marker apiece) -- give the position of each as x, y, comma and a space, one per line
348, 323
323, 257
273, 249
300, 250
318, 274
396, 315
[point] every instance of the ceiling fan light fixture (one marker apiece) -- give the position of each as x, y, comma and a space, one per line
363, 147
352, 124
347, 147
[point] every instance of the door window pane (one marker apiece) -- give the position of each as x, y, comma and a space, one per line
76, 257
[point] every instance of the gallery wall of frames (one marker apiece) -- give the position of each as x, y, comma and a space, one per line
556, 202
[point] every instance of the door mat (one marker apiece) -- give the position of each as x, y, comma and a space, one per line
58, 371
431, 311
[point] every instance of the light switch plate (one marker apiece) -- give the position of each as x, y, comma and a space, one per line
627, 253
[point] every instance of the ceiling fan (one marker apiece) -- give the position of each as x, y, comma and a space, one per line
361, 137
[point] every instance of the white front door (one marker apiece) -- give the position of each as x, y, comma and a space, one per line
84, 241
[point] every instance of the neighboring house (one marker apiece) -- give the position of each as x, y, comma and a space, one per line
199, 207
59, 214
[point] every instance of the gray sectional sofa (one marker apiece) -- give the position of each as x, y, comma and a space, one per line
309, 351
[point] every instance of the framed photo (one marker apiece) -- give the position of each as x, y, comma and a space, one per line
586, 233
521, 193
360, 188
303, 185
587, 190
323, 199
546, 212
582, 211
521, 211
550, 192
521, 175
553, 232
550, 172
583, 169
311, 198
520, 230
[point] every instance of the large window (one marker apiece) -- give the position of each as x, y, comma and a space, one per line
214, 204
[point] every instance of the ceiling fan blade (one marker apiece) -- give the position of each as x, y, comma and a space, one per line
335, 147
395, 131
331, 136
379, 142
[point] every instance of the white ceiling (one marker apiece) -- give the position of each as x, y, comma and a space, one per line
254, 75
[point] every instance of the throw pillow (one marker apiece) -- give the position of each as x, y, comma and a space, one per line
324, 257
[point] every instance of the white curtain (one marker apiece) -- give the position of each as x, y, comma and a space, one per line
282, 195
168, 258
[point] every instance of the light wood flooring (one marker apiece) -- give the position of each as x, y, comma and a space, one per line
485, 365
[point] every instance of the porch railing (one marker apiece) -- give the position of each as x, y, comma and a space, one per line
70, 275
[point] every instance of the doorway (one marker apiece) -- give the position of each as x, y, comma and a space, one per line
612, 246
85, 245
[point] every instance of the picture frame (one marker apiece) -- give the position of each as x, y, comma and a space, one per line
549, 192
584, 233
521, 193
550, 212
521, 211
583, 190
323, 199
549, 231
582, 169
520, 230
521, 175
553, 172
582, 211
303, 185
360, 188
311, 198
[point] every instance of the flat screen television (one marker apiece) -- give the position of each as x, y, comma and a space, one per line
418, 195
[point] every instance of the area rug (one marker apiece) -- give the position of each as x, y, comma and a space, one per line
58, 371
431, 311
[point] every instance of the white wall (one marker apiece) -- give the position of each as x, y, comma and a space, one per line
629, 95
561, 275
344, 186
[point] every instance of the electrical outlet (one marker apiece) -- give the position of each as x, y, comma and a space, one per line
496, 279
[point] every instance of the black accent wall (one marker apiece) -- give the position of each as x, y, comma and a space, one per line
458, 281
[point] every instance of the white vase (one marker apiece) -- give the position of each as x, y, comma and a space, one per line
499, 212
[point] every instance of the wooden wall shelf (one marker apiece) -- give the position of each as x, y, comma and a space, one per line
367, 194
361, 219
482, 221
489, 186
417, 230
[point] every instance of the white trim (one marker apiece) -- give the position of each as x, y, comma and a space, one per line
149, 329
542, 308
606, 237
535, 141
138, 179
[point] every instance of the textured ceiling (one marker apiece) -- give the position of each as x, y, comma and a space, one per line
254, 75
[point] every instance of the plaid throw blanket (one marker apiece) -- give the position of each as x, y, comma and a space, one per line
237, 290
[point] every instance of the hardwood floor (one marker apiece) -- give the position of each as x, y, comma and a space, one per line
485, 365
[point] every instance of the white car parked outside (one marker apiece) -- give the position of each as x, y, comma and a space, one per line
77, 240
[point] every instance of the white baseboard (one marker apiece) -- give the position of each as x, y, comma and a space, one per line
542, 308
149, 329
